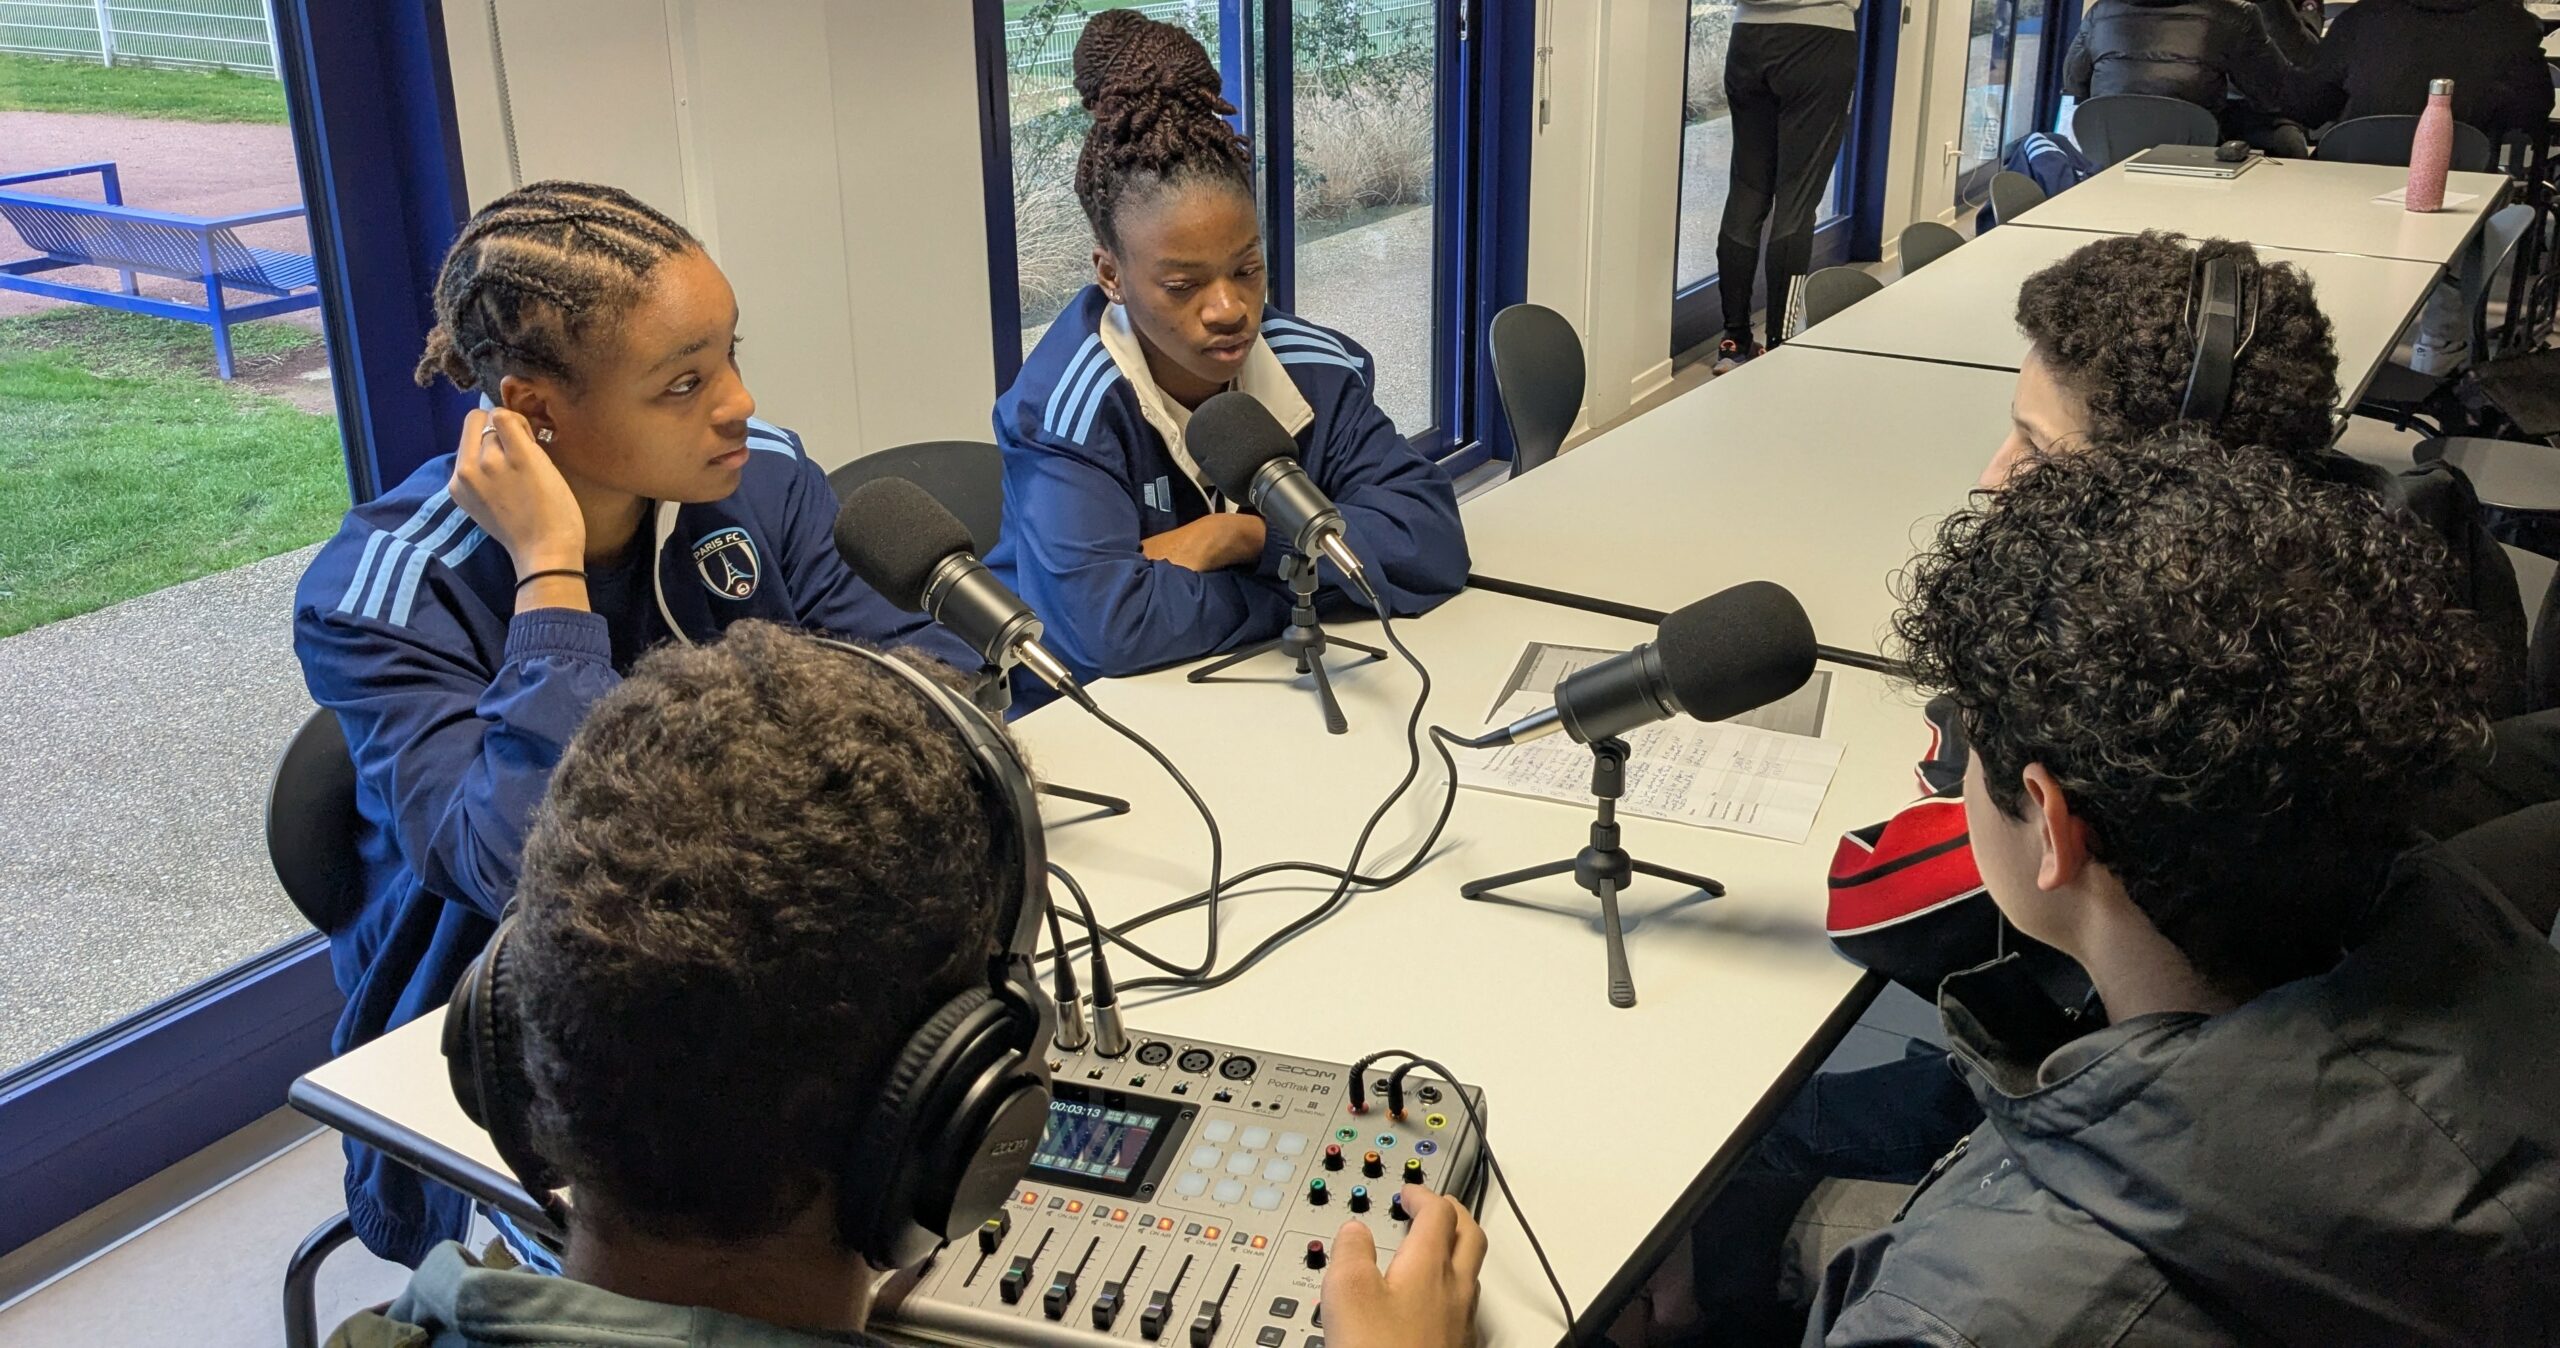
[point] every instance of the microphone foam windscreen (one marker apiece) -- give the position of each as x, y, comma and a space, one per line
1231, 436
893, 534
1736, 649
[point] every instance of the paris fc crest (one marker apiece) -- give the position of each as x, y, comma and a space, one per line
726, 561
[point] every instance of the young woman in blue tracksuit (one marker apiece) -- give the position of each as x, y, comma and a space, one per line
1111, 531
620, 493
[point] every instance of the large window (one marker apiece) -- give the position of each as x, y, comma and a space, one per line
160, 501
1344, 101
2004, 51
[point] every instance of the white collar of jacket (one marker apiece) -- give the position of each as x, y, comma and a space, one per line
1263, 376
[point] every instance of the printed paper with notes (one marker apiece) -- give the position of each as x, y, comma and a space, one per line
1762, 773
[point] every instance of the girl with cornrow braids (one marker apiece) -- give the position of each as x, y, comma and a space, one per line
615, 491
1111, 530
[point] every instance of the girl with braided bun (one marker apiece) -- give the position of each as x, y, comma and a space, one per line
1111, 530
615, 491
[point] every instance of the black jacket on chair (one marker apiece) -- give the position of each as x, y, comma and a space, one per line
2199, 51
2379, 55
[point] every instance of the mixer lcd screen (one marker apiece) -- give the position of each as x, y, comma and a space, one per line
1097, 1145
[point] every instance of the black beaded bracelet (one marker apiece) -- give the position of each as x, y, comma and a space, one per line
524, 581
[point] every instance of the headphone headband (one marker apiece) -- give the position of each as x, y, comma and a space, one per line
965, 1097
2217, 294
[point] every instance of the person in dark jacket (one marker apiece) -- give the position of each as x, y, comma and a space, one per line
762, 866
2319, 1110
2377, 58
619, 493
1112, 531
2237, 59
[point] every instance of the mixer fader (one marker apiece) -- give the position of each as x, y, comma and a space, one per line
1188, 1194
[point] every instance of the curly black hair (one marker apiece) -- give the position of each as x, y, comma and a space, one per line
760, 864
2239, 672
533, 273
1158, 117
2112, 320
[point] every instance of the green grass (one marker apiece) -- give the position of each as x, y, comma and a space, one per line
46, 84
127, 470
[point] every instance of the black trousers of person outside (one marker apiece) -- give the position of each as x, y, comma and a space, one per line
1788, 85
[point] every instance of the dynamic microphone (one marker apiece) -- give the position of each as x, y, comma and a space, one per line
1250, 458
1732, 651
919, 556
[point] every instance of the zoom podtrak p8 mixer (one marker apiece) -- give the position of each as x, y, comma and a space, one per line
1188, 1194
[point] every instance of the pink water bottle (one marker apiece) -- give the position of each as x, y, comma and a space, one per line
2431, 153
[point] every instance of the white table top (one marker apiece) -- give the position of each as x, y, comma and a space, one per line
1962, 308
2285, 203
1732, 991
1816, 469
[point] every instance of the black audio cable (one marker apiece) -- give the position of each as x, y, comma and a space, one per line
1342, 889
1217, 856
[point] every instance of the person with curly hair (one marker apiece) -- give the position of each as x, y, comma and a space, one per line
617, 491
712, 1000
2200, 686
1111, 530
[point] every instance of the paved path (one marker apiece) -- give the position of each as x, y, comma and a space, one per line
139, 739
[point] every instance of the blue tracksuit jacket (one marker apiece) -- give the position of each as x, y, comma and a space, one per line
456, 707
1093, 463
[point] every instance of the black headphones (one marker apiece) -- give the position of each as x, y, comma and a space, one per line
964, 1100
2217, 295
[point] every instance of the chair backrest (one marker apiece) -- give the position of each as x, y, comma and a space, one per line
94, 233
1833, 289
1924, 242
966, 476
312, 823
2386, 140
2500, 235
2013, 194
1538, 371
2116, 127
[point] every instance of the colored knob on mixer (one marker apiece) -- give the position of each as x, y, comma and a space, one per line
1317, 1194
1372, 1166
1315, 1254
1395, 1209
1333, 1156
1360, 1198
1413, 1172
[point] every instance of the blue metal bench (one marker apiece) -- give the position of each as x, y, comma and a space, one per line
69, 233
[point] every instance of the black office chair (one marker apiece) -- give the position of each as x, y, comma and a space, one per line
1924, 242
1538, 371
966, 476
311, 833
2518, 482
2116, 127
2405, 397
2386, 140
1831, 290
2013, 194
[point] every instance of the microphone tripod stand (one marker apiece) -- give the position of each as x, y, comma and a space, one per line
995, 697
1303, 640
1604, 868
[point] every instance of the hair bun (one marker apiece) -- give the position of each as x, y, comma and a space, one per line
1124, 55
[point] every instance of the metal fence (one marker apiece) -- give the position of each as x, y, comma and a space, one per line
229, 34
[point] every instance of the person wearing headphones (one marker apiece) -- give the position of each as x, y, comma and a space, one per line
617, 491
764, 1005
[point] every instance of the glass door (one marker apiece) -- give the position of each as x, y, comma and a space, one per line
1347, 102
2004, 52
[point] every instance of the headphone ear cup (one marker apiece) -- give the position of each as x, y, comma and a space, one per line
484, 1058
952, 1132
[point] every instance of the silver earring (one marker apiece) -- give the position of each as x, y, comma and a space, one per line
543, 436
